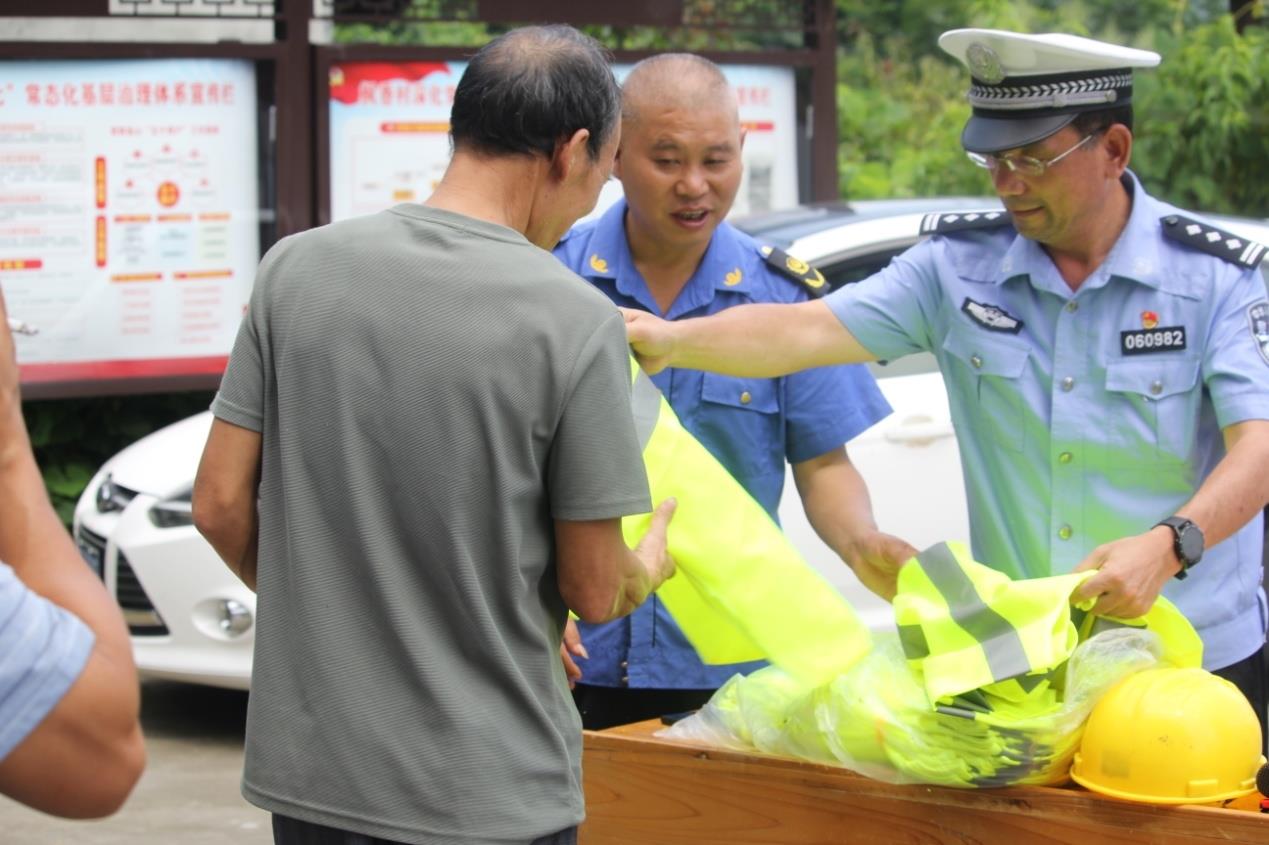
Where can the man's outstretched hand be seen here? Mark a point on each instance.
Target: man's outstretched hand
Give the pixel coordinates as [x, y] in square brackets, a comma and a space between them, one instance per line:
[651, 339]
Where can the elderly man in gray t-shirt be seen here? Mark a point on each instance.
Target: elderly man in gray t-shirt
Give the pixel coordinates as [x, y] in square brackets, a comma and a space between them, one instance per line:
[433, 415]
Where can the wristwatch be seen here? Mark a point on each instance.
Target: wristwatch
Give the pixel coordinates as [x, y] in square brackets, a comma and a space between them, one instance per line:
[1187, 542]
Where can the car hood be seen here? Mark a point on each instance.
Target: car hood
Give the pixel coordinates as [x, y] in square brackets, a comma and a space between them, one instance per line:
[163, 463]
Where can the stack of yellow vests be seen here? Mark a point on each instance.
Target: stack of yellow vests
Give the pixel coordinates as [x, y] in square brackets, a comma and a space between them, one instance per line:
[880, 718]
[989, 681]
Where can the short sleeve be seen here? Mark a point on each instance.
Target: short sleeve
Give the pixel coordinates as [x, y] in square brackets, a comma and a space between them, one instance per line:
[240, 399]
[891, 312]
[43, 650]
[826, 407]
[1236, 359]
[595, 469]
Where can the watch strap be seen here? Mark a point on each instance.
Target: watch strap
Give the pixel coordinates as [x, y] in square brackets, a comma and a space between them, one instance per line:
[1179, 524]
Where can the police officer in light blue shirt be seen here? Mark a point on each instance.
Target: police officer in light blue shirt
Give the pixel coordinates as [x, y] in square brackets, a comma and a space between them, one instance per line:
[666, 249]
[1106, 354]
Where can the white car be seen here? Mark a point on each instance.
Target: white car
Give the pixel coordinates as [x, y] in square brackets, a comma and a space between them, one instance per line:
[191, 620]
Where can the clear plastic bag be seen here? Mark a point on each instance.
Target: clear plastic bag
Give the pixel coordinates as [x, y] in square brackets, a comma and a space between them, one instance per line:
[877, 720]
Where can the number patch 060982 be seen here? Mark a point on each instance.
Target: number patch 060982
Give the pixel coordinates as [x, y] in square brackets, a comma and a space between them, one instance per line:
[1145, 341]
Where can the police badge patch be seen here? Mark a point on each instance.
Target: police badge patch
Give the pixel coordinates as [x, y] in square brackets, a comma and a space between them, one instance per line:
[991, 317]
[1258, 322]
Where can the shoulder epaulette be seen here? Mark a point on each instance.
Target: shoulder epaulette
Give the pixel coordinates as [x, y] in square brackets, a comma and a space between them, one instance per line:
[943, 222]
[796, 269]
[1207, 238]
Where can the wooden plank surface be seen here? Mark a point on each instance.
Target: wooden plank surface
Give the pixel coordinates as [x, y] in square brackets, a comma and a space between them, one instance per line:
[645, 791]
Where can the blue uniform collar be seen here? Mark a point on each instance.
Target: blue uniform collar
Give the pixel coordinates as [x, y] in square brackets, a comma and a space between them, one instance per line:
[720, 268]
[1139, 254]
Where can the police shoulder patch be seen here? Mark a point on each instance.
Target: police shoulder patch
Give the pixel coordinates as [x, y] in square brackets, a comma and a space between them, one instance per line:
[1258, 323]
[804, 274]
[943, 222]
[1205, 237]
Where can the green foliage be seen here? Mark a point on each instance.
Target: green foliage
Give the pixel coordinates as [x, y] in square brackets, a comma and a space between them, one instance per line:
[432, 34]
[72, 438]
[1203, 124]
[1202, 121]
[899, 127]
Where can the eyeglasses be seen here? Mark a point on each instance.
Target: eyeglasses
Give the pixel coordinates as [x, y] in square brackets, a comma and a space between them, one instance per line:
[1026, 165]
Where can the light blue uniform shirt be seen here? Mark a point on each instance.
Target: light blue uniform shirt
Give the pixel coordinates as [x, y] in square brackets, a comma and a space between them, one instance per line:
[1077, 424]
[751, 425]
[43, 649]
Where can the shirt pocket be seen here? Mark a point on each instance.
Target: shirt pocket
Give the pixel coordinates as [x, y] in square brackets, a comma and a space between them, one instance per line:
[740, 422]
[1152, 412]
[984, 379]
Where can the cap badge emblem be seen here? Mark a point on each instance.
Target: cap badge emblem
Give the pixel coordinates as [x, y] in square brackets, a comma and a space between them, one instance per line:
[984, 64]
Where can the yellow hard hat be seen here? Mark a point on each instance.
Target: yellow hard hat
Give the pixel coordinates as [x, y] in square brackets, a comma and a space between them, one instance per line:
[1171, 736]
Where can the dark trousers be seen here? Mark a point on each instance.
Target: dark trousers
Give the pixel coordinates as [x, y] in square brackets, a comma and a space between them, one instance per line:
[1252, 677]
[604, 707]
[289, 831]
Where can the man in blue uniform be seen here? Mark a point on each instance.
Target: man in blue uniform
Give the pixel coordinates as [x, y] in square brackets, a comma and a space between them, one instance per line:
[666, 249]
[1106, 354]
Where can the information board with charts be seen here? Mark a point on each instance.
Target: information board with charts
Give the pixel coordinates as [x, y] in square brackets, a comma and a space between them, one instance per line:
[129, 213]
[389, 142]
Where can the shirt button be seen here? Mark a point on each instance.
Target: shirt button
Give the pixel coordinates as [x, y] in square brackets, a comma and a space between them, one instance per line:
[976, 361]
[1065, 458]
[1067, 384]
[625, 680]
[1072, 306]
[625, 664]
[745, 398]
[1065, 532]
[1156, 388]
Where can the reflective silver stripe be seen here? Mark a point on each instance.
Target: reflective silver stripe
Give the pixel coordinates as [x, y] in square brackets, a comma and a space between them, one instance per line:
[912, 638]
[1000, 641]
[645, 404]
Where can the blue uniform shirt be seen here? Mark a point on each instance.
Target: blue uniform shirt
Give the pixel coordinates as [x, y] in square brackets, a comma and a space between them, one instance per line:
[751, 425]
[1089, 416]
[43, 650]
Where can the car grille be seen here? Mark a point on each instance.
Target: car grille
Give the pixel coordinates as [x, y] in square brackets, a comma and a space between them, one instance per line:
[138, 611]
[92, 547]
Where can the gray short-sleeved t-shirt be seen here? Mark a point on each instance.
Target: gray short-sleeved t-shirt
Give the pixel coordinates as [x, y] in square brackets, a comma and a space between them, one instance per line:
[432, 391]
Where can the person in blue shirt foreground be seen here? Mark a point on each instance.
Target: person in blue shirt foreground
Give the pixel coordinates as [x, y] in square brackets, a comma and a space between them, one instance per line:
[70, 737]
[666, 249]
[1106, 354]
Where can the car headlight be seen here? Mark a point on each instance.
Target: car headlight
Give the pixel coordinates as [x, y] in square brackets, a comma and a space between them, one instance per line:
[173, 512]
[111, 497]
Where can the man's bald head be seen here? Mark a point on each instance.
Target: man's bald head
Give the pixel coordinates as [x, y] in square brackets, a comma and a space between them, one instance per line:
[680, 159]
[675, 80]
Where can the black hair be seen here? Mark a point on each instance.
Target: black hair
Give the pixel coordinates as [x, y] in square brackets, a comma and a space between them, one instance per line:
[1086, 123]
[531, 88]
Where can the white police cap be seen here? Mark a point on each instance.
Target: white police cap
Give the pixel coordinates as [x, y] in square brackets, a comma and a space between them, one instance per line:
[1026, 87]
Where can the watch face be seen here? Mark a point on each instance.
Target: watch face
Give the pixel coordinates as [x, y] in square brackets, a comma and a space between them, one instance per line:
[1190, 539]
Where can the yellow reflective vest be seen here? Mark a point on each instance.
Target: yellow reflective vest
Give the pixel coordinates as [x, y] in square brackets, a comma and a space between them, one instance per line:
[742, 591]
[967, 627]
[988, 683]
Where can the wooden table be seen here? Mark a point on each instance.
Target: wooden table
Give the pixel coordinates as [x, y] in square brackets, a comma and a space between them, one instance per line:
[646, 791]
